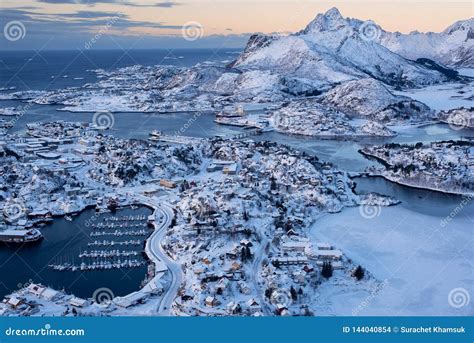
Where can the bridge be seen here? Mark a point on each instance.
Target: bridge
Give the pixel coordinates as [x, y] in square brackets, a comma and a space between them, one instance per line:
[245, 134]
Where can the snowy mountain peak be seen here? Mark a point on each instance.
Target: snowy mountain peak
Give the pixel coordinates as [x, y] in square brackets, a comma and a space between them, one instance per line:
[333, 13]
[328, 21]
[461, 25]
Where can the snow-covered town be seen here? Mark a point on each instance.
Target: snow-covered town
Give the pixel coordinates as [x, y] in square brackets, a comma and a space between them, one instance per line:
[298, 176]
[240, 213]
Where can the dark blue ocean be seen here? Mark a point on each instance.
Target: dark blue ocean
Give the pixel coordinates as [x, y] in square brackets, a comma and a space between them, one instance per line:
[46, 70]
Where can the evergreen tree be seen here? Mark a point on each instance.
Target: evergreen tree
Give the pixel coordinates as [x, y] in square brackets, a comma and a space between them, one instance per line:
[248, 253]
[294, 296]
[358, 273]
[243, 254]
[327, 270]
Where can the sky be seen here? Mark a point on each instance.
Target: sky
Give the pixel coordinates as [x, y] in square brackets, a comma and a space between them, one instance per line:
[147, 24]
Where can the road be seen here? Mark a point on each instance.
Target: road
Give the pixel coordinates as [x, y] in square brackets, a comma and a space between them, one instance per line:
[154, 249]
[174, 268]
[256, 265]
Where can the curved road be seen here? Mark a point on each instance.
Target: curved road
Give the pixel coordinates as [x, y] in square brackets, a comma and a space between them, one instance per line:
[174, 267]
[156, 253]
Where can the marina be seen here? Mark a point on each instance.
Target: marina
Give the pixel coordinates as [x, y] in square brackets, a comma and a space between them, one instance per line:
[62, 260]
[106, 243]
[99, 265]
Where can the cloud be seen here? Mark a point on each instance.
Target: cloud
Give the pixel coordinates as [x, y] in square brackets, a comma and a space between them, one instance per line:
[81, 2]
[80, 21]
[163, 4]
[71, 30]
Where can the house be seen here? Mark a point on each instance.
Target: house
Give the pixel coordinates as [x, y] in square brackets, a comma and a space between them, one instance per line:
[243, 287]
[236, 266]
[221, 286]
[233, 307]
[299, 276]
[77, 302]
[167, 183]
[295, 246]
[230, 169]
[253, 306]
[211, 301]
[15, 302]
[323, 246]
[50, 294]
[328, 255]
[290, 260]
[35, 289]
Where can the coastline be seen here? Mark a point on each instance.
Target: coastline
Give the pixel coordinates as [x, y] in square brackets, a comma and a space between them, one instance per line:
[401, 183]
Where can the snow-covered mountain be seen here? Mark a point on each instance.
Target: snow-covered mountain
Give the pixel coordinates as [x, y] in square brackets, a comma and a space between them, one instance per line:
[333, 49]
[453, 47]
[369, 98]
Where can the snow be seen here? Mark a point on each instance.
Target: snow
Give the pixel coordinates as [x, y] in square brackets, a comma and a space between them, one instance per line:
[466, 72]
[451, 47]
[443, 97]
[421, 260]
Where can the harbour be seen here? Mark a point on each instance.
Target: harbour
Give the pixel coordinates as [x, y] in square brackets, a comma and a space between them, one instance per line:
[64, 258]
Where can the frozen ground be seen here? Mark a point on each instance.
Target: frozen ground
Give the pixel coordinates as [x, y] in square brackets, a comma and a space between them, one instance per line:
[443, 97]
[466, 72]
[421, 261]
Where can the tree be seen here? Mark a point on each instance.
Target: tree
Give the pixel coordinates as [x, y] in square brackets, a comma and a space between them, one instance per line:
[268, 292]
[294, 295]
[327, 270]
[358, 273]
[243, 254]
[248, 253]
[273, 184]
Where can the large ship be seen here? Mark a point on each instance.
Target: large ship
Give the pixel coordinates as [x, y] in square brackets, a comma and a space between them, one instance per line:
[20, 236]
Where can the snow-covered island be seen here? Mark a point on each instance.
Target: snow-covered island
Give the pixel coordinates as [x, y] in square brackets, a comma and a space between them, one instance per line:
[459, 118]
[443, 166]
